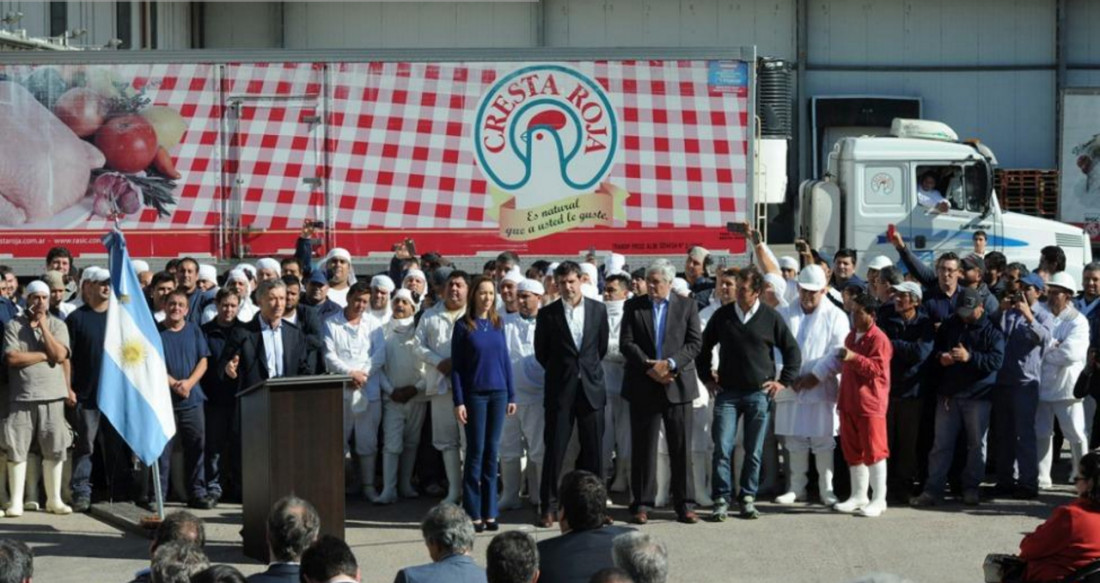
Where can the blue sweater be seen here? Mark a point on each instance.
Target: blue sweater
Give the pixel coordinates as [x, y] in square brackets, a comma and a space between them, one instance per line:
[480, 360]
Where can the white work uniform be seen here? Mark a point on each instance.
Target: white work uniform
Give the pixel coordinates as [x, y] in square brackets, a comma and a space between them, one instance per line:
[808, 419]
[616, 433]
[401, 422]
[350, 347]
[524, 430]
[1063, 360]
[433, 344]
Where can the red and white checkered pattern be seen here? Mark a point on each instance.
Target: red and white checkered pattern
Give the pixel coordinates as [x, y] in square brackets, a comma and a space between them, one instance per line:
[404, 155]
[400, 148]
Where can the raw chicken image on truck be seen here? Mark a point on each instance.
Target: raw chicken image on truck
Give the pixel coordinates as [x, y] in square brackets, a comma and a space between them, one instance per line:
[545, 153]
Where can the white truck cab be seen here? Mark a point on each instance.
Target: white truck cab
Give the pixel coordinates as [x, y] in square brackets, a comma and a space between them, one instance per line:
[872, 183]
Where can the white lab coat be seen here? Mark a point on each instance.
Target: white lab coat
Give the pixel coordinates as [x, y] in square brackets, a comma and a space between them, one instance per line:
[812, 412]
[1065, 356]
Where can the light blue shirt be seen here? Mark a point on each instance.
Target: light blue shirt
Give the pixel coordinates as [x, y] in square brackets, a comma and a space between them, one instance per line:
[660, 318]
[273, 348]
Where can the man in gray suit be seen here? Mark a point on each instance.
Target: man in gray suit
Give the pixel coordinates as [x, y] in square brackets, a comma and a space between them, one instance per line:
[449, 535]
[660, 339]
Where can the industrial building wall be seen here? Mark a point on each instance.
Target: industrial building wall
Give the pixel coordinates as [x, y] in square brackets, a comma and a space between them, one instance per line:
[985, 67]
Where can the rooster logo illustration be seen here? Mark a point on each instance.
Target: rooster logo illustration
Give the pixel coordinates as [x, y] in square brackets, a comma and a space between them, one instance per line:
[545, 133]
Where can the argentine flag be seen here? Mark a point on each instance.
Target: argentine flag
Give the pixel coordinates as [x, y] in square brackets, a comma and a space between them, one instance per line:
[133, 384]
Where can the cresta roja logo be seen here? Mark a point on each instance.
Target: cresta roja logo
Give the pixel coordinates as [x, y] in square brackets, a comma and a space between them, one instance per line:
[545, 137]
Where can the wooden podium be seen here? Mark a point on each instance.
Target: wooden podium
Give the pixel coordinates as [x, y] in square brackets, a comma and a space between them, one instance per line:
[291, 443]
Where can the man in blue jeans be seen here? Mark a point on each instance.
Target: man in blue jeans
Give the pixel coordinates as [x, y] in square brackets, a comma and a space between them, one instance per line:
[966, 356]
[1027, 328]
[745, 332]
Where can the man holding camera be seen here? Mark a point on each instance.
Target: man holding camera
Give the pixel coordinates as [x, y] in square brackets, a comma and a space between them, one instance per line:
[1015, 400]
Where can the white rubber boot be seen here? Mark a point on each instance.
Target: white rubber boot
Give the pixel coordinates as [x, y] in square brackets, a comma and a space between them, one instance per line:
[51, 473]
[799, 463]
[511, 475]
[17, 481]
[1046, 459]
[32, 494]
[858, 499]
[824, 463]
[664, 477]
[700, 464]
[408, 465]
[878, 491]
[366, 477]
[390, 462]
[452, 465]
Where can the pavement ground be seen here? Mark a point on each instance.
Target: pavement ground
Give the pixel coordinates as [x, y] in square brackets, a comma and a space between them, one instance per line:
[792, 543]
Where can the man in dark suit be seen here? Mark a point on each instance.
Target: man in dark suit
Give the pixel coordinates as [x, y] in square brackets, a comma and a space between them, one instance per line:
[449, 535]
[570, 343]
[308, 321]
[584, 548]
[660, 339]
[266, 347]
[292, 526]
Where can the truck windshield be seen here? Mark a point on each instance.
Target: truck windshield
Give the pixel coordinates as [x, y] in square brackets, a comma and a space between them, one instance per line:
[963, 185]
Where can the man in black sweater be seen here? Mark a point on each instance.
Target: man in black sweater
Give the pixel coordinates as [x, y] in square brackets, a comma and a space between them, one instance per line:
[747, 333]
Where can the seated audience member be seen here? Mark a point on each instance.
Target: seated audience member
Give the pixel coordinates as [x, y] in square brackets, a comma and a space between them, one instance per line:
[16, 561]
[512, 557]
[292, 526]
[643, 557]
[176, 562]
[218, 574]
[611, 575]
[585, 544]
[1070, 538]
[178, 527]
[329, 560]
[449, 535]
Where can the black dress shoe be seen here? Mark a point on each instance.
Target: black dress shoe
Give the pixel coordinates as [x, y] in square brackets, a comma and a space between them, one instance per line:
[492, 526]
[201, 503]
[479, 527]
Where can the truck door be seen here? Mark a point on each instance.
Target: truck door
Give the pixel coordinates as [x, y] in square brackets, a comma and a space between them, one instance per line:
[883, 201]
[274, 158]
[965, 186]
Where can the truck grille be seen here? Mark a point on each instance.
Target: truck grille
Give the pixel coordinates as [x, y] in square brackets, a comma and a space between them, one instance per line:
[1067, 240]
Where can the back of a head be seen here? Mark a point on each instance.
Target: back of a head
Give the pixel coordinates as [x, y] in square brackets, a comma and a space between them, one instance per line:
[449, 528]
[16, 561]
[219, 574]
[181, 527]
[327, 558]
[642, 556]
[292, 525]
[611, 575]
[583, 500]
[176, 562]
[512, 557]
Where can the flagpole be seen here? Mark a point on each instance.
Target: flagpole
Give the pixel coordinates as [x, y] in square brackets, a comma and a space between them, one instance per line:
[156, 486]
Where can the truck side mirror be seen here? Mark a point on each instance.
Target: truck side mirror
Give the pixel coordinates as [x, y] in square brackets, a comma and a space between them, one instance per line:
[919, 241]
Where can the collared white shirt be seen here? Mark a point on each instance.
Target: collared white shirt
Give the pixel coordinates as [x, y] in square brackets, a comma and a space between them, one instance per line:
[273, 348]
[574, 318]
[359, 346]
[745, 317]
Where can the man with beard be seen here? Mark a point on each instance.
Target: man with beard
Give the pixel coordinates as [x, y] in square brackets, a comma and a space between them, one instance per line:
[381, 286]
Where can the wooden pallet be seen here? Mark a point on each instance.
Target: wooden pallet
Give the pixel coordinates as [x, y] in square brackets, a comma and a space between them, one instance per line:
[1032, 192]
